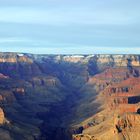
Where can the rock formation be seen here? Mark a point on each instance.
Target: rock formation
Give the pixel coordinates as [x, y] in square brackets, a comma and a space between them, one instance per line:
[2, 118]
[87, 97]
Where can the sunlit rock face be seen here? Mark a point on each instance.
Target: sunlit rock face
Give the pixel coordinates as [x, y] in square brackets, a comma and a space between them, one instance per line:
[14, 58]
[2, 118]
[117, 85]
[119, 60]
[65, 97]
[16, 65]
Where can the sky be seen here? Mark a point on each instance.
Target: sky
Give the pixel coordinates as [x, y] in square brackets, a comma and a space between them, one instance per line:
[70, 26]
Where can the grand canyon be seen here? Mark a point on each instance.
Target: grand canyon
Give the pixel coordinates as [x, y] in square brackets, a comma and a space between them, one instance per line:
[69, 97]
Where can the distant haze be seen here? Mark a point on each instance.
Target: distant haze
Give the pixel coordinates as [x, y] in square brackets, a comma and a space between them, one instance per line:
[70, 26]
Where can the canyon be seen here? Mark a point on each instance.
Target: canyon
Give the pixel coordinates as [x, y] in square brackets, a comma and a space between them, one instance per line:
[69, 97]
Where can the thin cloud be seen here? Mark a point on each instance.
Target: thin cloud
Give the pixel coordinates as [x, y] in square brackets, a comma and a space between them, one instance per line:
[64, 16]
[12, 39]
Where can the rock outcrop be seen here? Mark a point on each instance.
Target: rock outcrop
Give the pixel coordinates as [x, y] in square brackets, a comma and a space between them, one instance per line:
[2, 118]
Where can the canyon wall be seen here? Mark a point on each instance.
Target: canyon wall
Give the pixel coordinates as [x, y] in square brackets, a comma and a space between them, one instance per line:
[87, 97]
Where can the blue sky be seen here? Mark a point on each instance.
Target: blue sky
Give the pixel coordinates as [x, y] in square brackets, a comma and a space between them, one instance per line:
[70, 26]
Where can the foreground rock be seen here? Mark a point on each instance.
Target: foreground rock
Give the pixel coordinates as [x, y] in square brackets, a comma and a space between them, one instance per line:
[118, 93]
[2, 118]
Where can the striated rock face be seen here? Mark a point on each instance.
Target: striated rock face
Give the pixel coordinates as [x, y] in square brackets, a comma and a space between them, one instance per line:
[127, 122]
[111, 60]
[73, 59]
[119, 60]
[117, 86]
[14, 58]
[108, 60]
[16, 65]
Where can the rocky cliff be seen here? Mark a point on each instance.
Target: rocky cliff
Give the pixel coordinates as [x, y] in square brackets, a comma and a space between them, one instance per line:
[117, 85]
[80, 97]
